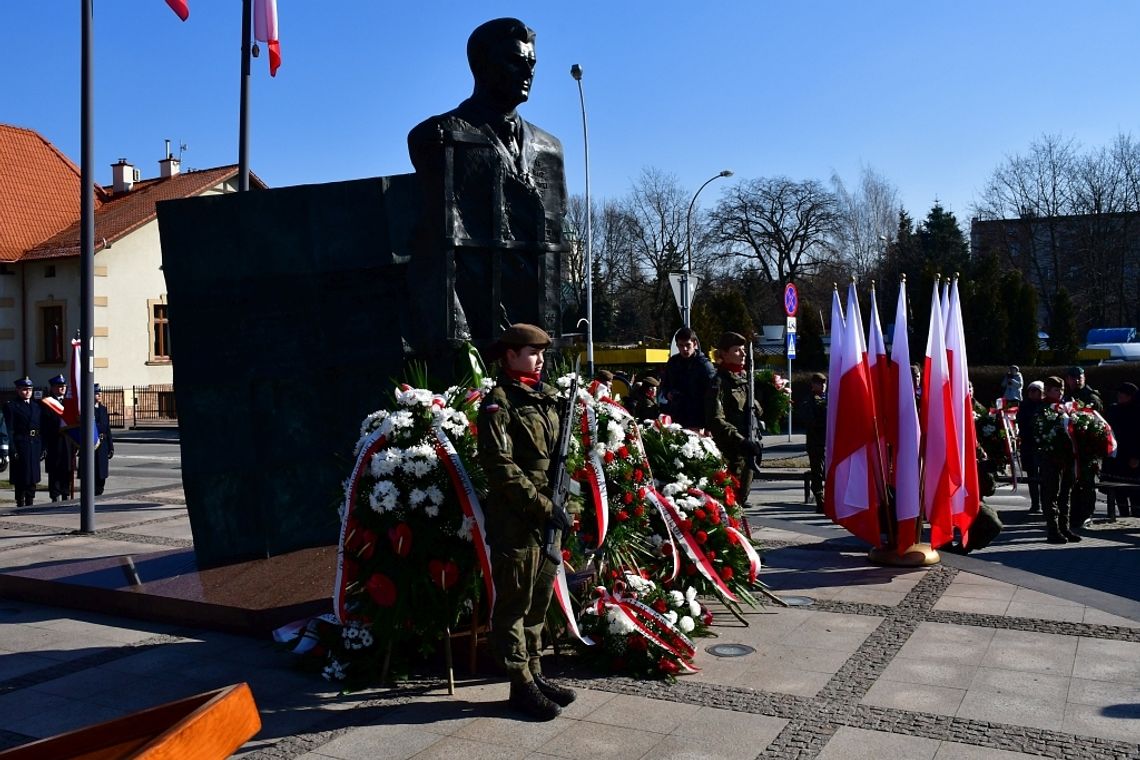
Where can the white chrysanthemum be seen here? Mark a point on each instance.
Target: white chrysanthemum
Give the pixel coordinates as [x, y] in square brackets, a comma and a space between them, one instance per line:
[417, 497]
[385, 462]
[435, 496]
[466, 529]
[694, 608]
[615, 433]
[401, 419]
[431, 510]
[414, 397]
[671, 616]
[598, 449]
[366, 639]
[655, 541]
[703, 484]
[639, 584]
[618, 622]
[672, 489]
[686, 624]
[384, 496]
[334, 671]
[678, 464]
[710, 446]
[564, 381]
[372, 422]
[487, 384]
[690, 594]
[676, 598]
[692, 450]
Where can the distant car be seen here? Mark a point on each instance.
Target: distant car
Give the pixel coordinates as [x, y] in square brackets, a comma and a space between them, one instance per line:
[1122, 343]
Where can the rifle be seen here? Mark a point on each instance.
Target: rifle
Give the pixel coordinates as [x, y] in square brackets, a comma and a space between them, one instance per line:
[751, 432]
[559, 477]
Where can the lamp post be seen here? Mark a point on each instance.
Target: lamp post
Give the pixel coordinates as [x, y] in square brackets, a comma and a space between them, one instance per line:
[686, 298]
[576, 72]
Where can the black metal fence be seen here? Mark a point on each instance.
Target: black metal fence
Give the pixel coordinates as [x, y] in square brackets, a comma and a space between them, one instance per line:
[154, 404]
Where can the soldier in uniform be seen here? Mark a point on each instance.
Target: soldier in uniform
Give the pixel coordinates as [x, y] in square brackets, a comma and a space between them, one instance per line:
[23, 420]
[106, 449]
[1077, 390]
[1056, 467]
[57, 446]
[518, 435]
[813, 413]
[726, 411]
[644, 404]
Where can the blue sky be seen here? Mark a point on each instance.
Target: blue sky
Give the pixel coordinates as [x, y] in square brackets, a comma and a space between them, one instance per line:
[932, 96]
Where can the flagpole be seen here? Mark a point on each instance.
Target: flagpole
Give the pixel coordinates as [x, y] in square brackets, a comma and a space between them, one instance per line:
[86, 270]
[243, 108]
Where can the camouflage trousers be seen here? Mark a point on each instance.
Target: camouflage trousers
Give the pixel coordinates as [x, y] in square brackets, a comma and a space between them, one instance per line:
[524, 585]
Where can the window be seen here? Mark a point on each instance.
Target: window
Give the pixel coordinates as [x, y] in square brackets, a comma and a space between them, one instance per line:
[51, 334]
[159, 332]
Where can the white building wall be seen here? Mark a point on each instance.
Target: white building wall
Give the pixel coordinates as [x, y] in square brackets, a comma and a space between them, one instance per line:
[46, 282]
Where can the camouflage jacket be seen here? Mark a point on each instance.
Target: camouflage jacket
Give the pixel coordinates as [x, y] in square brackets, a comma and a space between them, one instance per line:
[518, 434]
[813, 416]
[726, 412]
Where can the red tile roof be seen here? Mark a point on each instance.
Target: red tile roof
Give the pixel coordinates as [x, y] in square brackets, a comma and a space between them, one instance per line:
[39, 191]
[39, 199]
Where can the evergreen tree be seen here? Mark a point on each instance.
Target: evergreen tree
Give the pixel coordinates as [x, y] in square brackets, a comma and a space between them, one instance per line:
[1063, 337]
[719, 310]
[1021, 314]
[985, 314]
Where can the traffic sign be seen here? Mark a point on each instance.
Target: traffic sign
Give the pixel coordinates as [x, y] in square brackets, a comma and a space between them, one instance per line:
[791, 324]
[791, 299]
[791, 346]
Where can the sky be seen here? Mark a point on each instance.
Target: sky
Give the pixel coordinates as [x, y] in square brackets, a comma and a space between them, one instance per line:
[931, 96]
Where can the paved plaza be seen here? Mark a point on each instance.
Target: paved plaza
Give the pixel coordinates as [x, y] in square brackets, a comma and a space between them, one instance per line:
[1024, 650]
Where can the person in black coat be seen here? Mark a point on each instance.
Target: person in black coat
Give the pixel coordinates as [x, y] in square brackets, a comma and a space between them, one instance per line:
[1122, 417]
[1027, 441]
[23, 420]
[685, 382]
[56, 444]
[106, 450]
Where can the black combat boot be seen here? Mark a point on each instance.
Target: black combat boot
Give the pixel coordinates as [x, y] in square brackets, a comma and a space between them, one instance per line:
[1069, 535]
[559, 695]
[1055, 535]
[527, 698]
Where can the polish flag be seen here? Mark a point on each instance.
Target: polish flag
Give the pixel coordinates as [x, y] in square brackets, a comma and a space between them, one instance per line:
[903, 434]
[181, 7]
[942, 466]
[965, 501]
[265, 30]
[850, 496]
[879, 373]
[833, 370]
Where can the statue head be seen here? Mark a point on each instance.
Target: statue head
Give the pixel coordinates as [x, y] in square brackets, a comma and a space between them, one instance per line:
[501, 55]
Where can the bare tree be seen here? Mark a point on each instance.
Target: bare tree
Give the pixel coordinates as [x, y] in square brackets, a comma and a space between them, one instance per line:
[781, 227]
[868, 220]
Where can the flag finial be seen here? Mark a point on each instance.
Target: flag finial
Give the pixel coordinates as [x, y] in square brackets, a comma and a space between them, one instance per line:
[902, 277]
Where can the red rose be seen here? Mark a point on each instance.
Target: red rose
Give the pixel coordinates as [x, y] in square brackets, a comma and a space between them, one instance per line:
[726, 573]
[565, 555]
[443, 574]
[711, 554]
[720, 477]
[714, 517]
[614, 574]
[732, 540]
[639, 475]
[702, 537]
[639, 511]
[666, 549]
[660, 606]
[627, 498]
[609, 457]
[706, 616]
[734, 522]
[665, 665]
[700, 514]
[637, 642]
[401, 538]
[686, 525]
[642, 492]
[729, 497]
[690, 569]
[622, 515]
[381, 589]
[623, 452]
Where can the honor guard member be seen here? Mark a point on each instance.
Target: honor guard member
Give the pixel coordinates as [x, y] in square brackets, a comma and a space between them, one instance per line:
[645, 406]
[22, 417]
[727, 411]
[813, 414]
[57, 447]
[518, 436]
[1056, 467]
[106, 449]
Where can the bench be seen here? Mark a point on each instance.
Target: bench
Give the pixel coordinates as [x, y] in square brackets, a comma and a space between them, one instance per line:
[788, 473]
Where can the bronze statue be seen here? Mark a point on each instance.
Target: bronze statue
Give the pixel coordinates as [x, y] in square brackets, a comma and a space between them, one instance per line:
[491, 240]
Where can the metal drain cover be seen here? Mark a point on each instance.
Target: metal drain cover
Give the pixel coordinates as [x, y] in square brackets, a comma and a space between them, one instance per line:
[797, 601]
[729, 650]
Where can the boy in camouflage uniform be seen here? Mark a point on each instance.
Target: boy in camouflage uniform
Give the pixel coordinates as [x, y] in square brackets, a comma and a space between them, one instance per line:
[518, 436]
[813, 413]
[727, 411]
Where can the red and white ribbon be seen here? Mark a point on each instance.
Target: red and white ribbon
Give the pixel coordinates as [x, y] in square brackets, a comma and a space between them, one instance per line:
[369, 446]
[740, 540]
[562, 594]
[651, 624]
[469, 501]
[692, 549]
[596, 471]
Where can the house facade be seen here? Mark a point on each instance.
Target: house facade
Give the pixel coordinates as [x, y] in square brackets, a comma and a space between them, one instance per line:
[40, 264]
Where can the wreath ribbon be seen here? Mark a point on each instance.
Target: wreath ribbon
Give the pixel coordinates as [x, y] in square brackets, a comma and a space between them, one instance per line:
[595, 470]
[692, 549]
[369, 446]
[562, 594]
[645, 619]
[745, 544]
[469, 501]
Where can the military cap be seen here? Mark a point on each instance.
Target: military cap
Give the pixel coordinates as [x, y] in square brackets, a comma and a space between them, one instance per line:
[604, 375]
[24, 382]
[97, 389]
[1054, 382]
[1036, 385]
[521, 334]
[651, 381]
[1075, 371]
[730, 339]
[58, 380]
[818, 377]
[1129, 389]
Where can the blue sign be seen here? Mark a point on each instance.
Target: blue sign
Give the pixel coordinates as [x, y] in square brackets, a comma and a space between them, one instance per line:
[791, 299]
[791, 345]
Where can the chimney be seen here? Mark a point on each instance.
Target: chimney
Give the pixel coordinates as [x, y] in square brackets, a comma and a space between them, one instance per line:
[168, 167]
[123, 177]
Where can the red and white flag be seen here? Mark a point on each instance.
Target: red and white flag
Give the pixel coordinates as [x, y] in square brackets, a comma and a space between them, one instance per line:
[833, 372]
[850, 496]
[903, 434]
[942, 470]
[181, 7]
[965, 501]
[878, 370]
[265, 30]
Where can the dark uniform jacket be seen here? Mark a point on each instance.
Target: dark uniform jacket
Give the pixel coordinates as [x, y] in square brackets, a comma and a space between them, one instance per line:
[813, 414]
[1087, 396]
[106, 448]
[57, 457]
[23, 420]
[687, 380]
[1026, 429]
[727, 412]
[518, 435]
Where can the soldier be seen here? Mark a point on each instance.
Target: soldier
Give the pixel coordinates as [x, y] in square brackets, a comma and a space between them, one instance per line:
[645, 405]
[813, 413]
[23, 420]
[106, 449]
[518, 435]
[605, 378]
[1076, 390]
[1056, 467]
[726, 410]
[56, 445]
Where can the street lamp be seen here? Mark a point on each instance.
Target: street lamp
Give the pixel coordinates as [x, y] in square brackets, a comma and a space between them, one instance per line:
[686, 305]
[576, 72]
